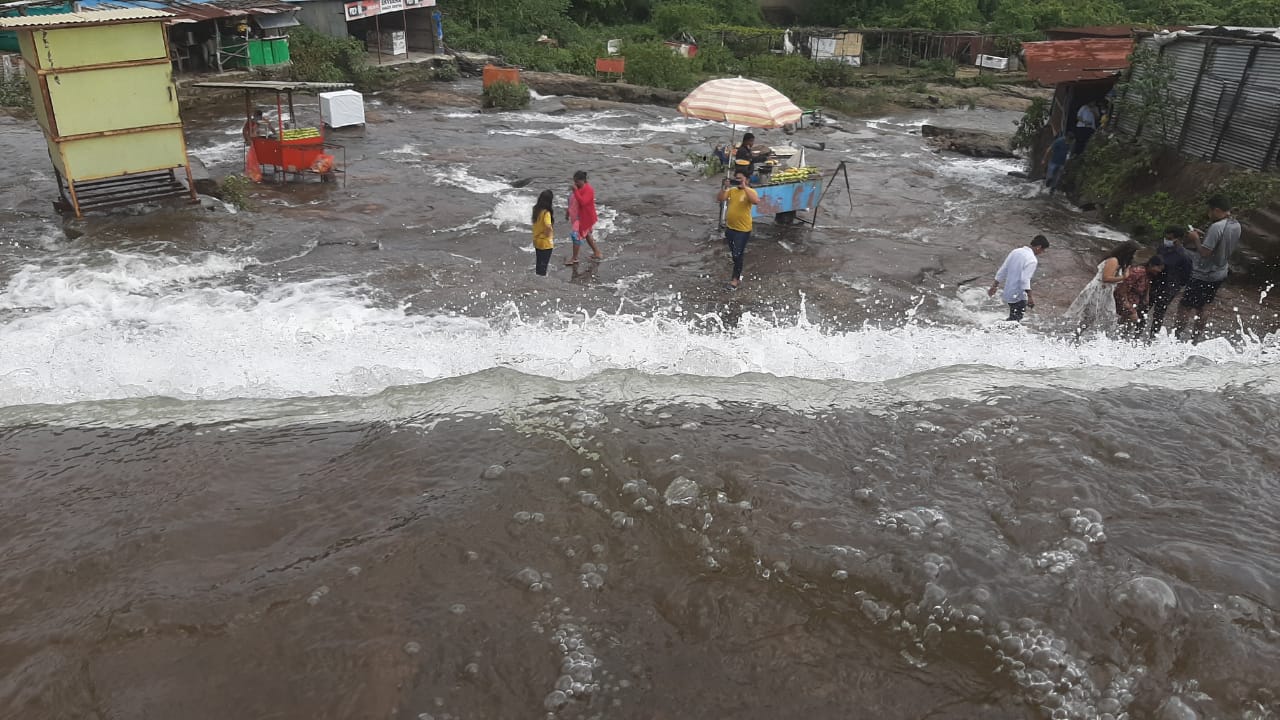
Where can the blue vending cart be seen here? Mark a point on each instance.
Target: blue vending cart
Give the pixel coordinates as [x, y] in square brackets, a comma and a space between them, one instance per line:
[783, 199]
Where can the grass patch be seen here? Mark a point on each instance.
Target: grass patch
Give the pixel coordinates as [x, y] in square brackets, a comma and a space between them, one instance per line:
[235, 190]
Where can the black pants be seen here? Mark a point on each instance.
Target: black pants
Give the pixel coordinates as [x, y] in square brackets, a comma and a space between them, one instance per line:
[1082, 139]
[1017, 310]
[543, 260]
[1160, 300]
[737, 240]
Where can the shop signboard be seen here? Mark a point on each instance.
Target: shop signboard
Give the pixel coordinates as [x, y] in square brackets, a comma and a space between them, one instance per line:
[368, 8]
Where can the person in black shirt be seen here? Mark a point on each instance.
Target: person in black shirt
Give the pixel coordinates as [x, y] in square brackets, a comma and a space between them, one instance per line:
[747, 152]
[1177, 273]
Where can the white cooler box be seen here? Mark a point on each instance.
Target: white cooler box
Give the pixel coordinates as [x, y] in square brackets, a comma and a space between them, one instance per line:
[341, 108]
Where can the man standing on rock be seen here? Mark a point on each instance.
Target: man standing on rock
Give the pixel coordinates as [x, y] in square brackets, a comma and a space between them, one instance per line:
[1055, 159]
[1210, 267]
[1177, 273]
[1015, 274]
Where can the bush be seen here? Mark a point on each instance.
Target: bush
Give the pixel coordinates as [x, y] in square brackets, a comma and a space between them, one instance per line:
[1149, 215]
[945, 67]
[831, 73]
[654, 64]
[506, 96]
[235, 190]
[716, 60]
[15, 92]
[320, 58]
[446, 71]
[1032, 122]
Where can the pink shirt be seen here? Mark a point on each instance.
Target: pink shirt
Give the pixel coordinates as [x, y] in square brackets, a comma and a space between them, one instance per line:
[582, 208]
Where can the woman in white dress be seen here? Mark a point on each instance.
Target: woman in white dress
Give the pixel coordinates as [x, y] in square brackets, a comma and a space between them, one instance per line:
[1094, 308]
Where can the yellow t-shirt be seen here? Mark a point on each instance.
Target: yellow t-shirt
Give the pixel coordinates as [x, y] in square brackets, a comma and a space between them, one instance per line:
[737, 214]
[543, 235]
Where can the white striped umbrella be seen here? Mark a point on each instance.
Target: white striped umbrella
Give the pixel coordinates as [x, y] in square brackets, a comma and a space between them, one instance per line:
[739, 101]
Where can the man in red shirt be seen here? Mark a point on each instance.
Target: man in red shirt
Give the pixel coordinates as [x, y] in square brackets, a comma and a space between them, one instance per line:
[582, 215]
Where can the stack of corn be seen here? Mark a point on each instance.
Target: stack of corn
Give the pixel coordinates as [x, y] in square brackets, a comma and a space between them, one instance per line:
[301, 133]
[795, 174]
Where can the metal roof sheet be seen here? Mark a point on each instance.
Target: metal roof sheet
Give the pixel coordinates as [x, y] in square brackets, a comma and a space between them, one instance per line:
[1095, 31]
[274, 86]
[1058, 61]
[93, 17]
[200, 10]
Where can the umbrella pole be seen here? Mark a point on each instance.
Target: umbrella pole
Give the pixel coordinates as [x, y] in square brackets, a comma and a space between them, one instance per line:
[733, 128]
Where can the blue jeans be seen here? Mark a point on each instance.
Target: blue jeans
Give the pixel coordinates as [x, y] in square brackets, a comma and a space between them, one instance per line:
[1051, 175]
[737, 240]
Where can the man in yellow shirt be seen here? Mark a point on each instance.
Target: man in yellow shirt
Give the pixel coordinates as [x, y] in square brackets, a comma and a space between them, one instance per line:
[740, 196]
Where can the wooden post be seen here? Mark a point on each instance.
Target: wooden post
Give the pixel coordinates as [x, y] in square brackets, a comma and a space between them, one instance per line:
[1195, 93]
[377, 31]
[1271, 149]
[217, 45]
[1235, 102]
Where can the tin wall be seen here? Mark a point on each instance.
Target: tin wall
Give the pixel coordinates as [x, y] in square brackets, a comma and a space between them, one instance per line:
[1228, 102]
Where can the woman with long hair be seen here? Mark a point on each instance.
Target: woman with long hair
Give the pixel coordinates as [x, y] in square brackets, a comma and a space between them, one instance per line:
[1094, 307]
[543, 232]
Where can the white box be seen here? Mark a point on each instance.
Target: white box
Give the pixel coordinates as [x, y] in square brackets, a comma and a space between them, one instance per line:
[341, 108]
[992, 62]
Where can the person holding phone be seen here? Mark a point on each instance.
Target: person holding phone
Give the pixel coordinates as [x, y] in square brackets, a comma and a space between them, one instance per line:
[740, 197]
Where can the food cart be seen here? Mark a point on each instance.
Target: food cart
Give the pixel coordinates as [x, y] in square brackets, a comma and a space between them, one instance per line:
[785, 189]
[286, 149]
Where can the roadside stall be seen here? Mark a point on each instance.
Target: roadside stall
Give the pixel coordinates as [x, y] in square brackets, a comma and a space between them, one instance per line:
[782, 180]
[285, 148]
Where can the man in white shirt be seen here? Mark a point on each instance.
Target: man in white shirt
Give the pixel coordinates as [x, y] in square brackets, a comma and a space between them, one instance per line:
[1015, 274]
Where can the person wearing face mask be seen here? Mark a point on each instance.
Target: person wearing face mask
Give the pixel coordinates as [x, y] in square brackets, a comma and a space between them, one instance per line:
[1177, 273]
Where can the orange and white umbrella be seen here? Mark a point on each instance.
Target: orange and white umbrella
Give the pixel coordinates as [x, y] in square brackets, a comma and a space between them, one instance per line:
[739, 101]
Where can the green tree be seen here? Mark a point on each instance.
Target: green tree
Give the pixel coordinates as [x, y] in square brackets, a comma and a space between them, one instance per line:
[939, 14]
[1146, 97]
[1253, 13]
[1014, 17]
[1175, 12]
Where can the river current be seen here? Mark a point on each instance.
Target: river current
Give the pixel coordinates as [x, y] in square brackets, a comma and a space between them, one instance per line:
[345, 456]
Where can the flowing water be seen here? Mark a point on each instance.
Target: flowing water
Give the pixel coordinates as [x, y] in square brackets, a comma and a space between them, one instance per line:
[345, 456]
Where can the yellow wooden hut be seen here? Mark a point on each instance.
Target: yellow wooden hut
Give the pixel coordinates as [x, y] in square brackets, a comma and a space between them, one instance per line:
[102, 88]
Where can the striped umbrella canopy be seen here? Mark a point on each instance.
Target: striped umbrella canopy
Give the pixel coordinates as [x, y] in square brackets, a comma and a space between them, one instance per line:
[740, 102]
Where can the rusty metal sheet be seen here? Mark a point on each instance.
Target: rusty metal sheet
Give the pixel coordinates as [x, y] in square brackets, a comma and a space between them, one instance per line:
[1057, 61]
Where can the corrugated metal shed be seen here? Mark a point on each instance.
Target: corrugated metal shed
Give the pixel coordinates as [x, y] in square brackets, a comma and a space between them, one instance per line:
[1229, 89]
[1057, 61]
[100, 17]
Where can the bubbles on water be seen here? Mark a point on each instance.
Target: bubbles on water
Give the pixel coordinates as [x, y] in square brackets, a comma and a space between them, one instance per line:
[458, 608]
[412, 648]
[592, 575]
[1086, 523]
[493, 472]
[916, 522]
[681, 491]
[530, 579]
[1148, 601]
[354, 570]
[317, 594]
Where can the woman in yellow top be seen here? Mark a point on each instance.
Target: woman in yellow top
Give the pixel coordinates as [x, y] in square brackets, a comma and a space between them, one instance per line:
[543, 233]
[739, 196]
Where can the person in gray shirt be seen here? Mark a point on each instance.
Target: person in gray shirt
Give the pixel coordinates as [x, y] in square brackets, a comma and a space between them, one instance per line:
[1209, 267]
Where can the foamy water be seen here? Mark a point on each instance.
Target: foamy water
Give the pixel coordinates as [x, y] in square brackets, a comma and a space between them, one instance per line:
[138, 326]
